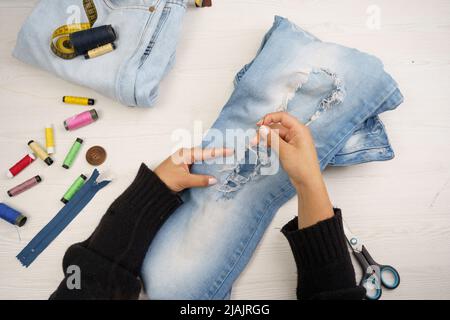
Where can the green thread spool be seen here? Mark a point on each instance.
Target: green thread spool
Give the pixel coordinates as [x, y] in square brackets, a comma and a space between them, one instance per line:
[74, 188]
[73, 152]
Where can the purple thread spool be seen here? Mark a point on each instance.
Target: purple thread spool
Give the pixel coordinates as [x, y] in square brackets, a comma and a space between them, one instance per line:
[24, 186]
[81, 120]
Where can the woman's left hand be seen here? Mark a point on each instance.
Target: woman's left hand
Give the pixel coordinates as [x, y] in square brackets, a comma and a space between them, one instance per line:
[174, 171]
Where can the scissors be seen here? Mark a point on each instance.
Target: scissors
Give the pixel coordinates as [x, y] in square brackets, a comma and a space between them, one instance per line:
[374, 274]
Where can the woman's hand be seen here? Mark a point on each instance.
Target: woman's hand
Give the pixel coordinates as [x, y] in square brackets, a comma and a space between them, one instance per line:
[298, 157]
[296, 147]
[174, 171]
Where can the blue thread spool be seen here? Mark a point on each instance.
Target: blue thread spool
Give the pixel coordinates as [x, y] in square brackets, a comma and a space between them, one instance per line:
[12, 216]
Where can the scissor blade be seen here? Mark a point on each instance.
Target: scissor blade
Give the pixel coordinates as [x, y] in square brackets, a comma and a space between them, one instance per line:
[352, 239]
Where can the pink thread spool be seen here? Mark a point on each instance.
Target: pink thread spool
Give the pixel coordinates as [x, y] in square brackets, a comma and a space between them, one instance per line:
[81, 120]
[24, 186]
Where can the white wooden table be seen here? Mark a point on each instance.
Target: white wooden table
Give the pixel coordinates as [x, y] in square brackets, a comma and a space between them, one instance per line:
[401, 208]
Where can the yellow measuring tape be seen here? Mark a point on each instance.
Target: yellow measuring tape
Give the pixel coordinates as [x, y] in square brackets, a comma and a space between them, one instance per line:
[60, 43]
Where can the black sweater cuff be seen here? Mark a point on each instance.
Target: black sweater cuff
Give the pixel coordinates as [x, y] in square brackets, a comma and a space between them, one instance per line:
[147, 190]
[130, 224]
[322, 258]
[319, 244]
[98, 278]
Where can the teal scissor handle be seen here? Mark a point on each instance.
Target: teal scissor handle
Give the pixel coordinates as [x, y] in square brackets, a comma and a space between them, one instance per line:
[372, 284]
[376, 275]
[390, 278]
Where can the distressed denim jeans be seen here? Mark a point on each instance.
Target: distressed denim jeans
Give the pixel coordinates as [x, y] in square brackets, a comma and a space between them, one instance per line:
[146, 44]
[204, 246]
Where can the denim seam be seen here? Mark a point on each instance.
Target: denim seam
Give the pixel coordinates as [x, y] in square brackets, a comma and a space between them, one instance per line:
[364, 149]
[154, 38]
[181, 3]
[247, 242]
[356, 125]
[263, 43]
[119, 80]
[131, 7]
[108, 3]
[361, 161]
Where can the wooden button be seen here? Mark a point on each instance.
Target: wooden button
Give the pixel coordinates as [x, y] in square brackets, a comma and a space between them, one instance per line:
[96, 155]
[152, 9]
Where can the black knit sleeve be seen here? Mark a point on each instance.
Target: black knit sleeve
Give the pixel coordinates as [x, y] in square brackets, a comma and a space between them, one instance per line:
[110, 260]
[324, 267]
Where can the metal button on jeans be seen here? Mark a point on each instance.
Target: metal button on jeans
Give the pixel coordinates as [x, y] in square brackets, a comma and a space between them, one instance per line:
[152, 9]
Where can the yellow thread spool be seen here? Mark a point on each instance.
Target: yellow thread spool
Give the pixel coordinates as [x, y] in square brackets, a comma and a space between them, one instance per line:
[49, 139]
[37, 149]
[100, 51]
[78, 100]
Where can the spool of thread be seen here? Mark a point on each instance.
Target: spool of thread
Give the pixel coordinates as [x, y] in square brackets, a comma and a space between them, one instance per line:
[20, 165]
[73, 152]
[81, 120]
[12, 216]
[74, 188]
[97, 52]
[78, 100]
[24, 186]
[49, 139]
[83, 41]
[40, 152]
[203, 3]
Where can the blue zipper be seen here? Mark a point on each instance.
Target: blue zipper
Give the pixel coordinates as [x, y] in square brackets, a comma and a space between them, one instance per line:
[61, 220]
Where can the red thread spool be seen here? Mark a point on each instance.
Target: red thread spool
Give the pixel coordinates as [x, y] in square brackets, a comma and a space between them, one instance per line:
[19, 166]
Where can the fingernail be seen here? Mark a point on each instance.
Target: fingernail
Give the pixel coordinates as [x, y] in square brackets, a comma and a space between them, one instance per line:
[212, 181]
[260, 122]
[264, 131]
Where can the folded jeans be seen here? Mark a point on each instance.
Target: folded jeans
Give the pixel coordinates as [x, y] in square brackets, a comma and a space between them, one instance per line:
[146, 44]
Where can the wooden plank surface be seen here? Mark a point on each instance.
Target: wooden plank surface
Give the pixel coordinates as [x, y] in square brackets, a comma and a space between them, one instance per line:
[401, 208]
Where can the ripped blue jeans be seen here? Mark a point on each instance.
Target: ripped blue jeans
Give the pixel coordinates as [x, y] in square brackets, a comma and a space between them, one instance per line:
[337, 91]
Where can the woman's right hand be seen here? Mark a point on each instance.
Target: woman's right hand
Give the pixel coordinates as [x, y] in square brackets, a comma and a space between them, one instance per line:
[295, 147]
[298, 157]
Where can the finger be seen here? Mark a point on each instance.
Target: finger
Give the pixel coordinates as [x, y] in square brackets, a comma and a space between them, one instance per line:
[282, 130]
[272, 138]
[178, 157]
[196, 154]
[199, 180]
[211, 153]
[188, 155]
[282, 117]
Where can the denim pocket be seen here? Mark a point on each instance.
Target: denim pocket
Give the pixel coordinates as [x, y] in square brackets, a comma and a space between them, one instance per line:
[161, 23]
